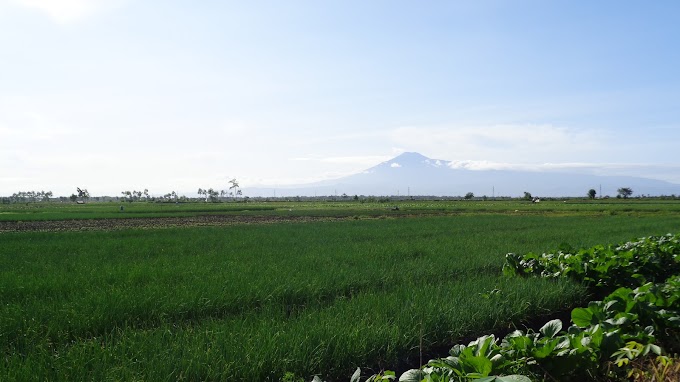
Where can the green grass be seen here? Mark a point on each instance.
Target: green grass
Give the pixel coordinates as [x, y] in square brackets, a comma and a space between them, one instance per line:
[250, 302]
[371, 328]
[111, 210]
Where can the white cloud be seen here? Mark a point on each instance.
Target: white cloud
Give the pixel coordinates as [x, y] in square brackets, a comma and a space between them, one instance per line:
[511, 143]
[366, 160]
[284, 181]
[395, 165]
[482, 165]
[668, 172]
[476, 165]
[69, 11]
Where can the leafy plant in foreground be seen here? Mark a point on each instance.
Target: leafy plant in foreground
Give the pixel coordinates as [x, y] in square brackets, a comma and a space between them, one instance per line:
[653, 258]
[615, 331]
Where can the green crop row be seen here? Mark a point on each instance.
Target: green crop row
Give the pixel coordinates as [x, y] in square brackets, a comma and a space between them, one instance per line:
[112, 210]
[370, 328]
[605, 267]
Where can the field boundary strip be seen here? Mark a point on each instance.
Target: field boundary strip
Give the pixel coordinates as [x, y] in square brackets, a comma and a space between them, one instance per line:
[152, 223]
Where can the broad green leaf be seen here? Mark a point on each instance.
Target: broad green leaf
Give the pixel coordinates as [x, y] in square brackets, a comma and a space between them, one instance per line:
[449, 362]
[385, 376]
[617, 321]
[498, 358]
[582, 317]
[457, 349]
[505, 378]
[565, 248]
[564, 343]
[596, 335]
[513, 378]
[595, 306]
[515, 333]
[478, 364]
[551, 328]
[545, 350]
[655, 349]
[613, 306]
[483, 344]
[610, 342]
[510, 270]
[521, 342]
[356, 375]
[413, 375]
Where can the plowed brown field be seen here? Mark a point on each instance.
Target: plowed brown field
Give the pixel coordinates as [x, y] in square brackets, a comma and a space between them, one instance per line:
[164, 222]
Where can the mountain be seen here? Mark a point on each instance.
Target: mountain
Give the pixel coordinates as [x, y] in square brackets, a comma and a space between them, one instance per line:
[415, 174]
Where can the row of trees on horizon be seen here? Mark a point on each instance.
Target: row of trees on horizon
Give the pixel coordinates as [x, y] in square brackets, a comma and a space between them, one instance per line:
[233, 192]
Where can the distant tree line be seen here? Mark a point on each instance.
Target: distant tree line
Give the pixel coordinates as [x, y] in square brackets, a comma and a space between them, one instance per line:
[214, 195]
[30, 196]
[234, 192]
[207, 194]
[134, 195]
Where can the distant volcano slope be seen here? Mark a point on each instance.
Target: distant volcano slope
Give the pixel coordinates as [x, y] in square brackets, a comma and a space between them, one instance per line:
[415, 174]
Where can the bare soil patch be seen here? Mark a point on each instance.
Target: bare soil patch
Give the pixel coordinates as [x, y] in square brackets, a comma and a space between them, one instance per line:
[160, 222]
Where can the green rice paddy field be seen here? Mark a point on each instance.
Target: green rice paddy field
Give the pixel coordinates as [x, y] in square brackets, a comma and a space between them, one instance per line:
[250, 302]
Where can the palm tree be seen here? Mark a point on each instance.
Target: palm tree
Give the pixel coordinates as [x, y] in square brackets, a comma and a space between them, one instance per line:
[234, 185]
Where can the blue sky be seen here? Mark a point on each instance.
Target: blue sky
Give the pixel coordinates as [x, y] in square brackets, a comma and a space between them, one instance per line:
[114, 95]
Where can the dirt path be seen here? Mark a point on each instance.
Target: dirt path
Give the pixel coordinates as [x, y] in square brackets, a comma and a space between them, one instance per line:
[162, 222]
